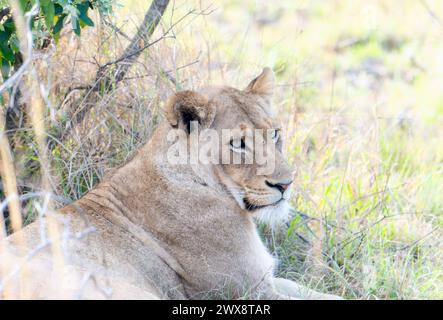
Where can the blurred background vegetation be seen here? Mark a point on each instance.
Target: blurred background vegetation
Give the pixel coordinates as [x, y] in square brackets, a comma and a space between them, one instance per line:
[360, 95]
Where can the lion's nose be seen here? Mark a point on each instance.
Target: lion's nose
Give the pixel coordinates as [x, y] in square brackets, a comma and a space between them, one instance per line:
[281, 186]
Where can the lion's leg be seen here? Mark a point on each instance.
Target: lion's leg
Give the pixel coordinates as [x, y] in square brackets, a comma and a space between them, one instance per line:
[291, 289]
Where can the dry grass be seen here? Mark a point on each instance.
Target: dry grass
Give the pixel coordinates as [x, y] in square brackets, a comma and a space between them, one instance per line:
[358, 95]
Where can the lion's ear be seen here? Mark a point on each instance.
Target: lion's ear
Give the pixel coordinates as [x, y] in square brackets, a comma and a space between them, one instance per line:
[264, 84]
[187, 106]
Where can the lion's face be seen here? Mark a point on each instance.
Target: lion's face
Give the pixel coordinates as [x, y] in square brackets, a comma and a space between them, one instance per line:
[250, 163]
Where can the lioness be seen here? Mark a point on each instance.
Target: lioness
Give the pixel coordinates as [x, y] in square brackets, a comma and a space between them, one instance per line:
[168, 230]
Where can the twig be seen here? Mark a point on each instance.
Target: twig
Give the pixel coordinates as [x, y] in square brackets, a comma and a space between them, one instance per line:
[431, 12]
[7, 171]
[419, 240]
[36, 113]
[145, 30]
[138, 43]
[23, 26]
[127, 59]
[116, 29]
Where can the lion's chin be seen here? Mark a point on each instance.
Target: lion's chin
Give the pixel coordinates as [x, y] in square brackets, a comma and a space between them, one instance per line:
[273, 215]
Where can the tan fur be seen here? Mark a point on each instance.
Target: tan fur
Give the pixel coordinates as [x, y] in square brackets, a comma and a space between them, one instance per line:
[172, 231]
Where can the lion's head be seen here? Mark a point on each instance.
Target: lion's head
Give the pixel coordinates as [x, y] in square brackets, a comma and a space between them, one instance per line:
[239, 134]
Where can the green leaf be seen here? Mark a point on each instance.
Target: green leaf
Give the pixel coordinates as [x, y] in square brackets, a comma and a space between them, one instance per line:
[70, 9]
[75, 26]
[14, 43]
[86, 20]
[4, 36]
[9, 25]
[58, 9]
[49, 12]
[5, 67]
[83, 14]
[6, 52]
[59, 24]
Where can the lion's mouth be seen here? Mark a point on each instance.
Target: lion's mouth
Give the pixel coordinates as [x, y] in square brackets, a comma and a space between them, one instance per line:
[252, 207]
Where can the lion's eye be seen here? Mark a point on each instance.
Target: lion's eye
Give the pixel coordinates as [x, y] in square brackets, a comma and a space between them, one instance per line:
[238, 145]
[275, 136]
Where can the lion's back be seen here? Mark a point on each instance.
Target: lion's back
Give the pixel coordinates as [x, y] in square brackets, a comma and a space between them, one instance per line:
[98, 262]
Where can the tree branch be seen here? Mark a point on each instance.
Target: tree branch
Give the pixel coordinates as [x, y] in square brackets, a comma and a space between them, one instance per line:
[104, 78]
[138, 43]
